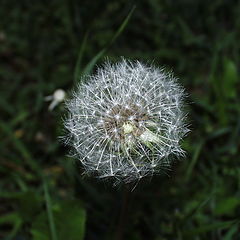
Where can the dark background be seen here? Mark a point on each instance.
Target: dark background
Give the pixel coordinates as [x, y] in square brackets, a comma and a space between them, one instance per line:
[47, 45]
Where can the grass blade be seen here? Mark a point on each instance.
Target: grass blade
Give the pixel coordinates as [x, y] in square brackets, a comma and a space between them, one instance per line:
[91, 64]
[49, 211]
[79, 59]
[194, 160]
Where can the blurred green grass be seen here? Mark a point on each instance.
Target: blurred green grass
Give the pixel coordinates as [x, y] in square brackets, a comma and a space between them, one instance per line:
[48, 45]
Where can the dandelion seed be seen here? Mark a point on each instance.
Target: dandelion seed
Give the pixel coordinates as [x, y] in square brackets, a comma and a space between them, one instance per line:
[127, 121]
[57, 97]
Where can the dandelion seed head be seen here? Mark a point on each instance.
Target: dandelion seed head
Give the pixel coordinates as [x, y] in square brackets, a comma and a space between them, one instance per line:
[127, 121]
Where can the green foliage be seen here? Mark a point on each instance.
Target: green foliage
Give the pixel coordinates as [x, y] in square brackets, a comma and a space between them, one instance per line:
[87, 70]
[49, 45]
[227, 206]
[69, 218]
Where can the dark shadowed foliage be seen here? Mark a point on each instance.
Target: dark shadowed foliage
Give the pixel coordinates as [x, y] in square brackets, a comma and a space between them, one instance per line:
[48, 45]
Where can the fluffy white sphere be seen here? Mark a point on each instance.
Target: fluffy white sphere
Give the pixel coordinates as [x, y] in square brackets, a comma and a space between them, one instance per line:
[126, 121]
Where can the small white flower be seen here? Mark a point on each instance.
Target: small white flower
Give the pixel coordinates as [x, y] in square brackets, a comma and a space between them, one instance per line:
[57, 97]
[126, 121]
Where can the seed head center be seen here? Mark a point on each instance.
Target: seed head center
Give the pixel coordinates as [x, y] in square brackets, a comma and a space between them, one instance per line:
[122, 121]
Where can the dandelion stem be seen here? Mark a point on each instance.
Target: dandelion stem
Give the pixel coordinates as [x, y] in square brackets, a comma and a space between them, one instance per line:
[123, 216]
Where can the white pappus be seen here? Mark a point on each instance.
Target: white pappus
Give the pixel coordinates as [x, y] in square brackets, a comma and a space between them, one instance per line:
[126, 121]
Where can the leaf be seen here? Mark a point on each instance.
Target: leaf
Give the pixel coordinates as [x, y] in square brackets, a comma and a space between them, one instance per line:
[227, 206]
[15, 220]
[229, 79]
[209, 227]
[28, 205]
[20, 146]
[193, 162]
[230, 233]
[197, 208]
[49, 211]
[79, 60]
[69, 218]
[91, 64]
